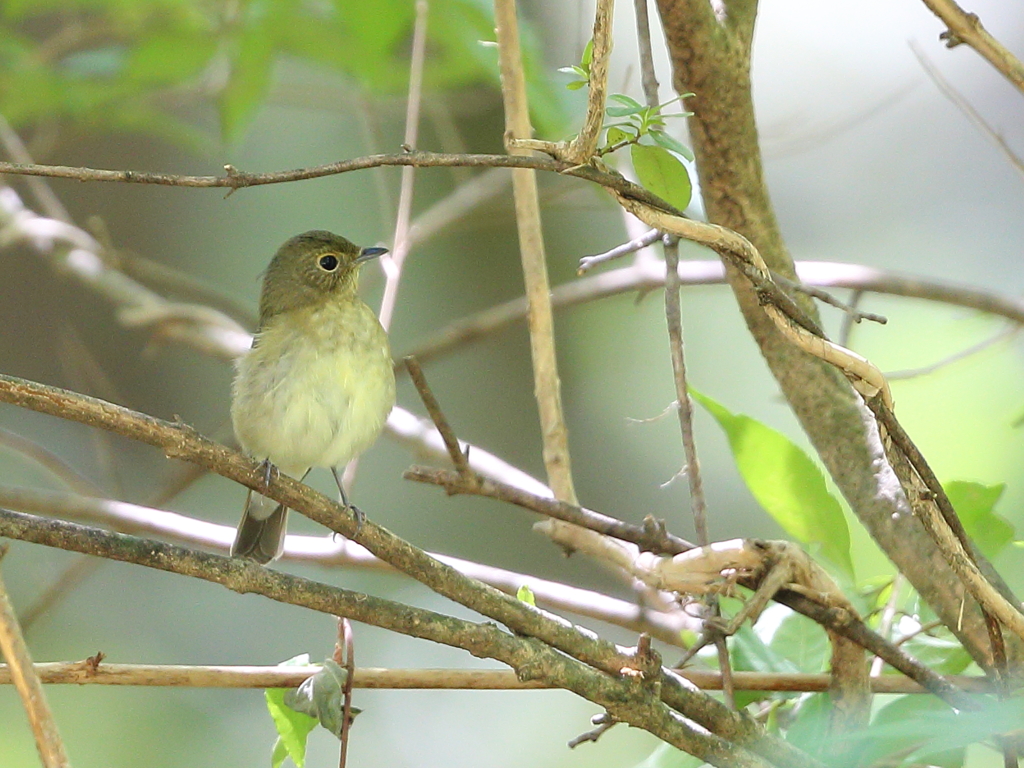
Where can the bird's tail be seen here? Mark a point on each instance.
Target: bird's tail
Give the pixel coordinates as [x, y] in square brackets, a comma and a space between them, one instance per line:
[260, 535]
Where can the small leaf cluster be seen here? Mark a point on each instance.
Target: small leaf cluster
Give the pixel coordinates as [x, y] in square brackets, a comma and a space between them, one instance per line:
[581, 70]
[656, 165]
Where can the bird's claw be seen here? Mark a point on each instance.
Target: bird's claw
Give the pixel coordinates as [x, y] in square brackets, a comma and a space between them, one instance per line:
[359, 515]
[269, 470]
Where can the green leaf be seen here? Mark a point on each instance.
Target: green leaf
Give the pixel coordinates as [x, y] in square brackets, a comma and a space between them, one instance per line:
[623, 111]
[322, 696]
[525, 595]
[248, 81]
[171, 58]
[749, 654]
[672, 144]
[785, 482]
[974, 504]
[588, 57]
[945, 655]
[279, 753]
[663, 174]
[616, 135]
[575, 85]
[292, 727]
[910, 729]
[626, 101]
[802, 642]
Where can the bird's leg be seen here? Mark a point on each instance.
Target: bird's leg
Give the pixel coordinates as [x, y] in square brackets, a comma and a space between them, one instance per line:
[269, 471]
[357, 513]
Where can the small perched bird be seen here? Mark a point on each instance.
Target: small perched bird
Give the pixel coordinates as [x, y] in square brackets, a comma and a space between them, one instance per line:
[317, 385]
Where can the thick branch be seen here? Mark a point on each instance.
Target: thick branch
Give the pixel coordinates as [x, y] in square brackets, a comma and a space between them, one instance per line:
[182, 442]
[623, 696]
[713, 61]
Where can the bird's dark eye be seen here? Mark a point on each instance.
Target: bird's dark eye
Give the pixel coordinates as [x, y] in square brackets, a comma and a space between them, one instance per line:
[328, 262]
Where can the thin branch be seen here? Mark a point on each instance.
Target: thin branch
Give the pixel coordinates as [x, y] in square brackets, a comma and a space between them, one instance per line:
[646, 276]
[655, 539]
[344, 654]
[393, 262]
[335, 551]
[371, 678]
[684, 409]
[673, 315]
[14, 650]
[649, 537]
[50, 461]
[451, 442]
[854, 315]
[547, 388]
[18, 152]
[964, 106]
[964, 27]
[648, 77]
[648, 238]
[234, 179]
[1006, 333]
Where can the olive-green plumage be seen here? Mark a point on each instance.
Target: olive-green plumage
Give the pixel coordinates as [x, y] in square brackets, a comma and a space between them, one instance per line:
[317, 385]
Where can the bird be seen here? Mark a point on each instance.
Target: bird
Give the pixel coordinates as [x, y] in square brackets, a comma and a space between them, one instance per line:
[317, 385]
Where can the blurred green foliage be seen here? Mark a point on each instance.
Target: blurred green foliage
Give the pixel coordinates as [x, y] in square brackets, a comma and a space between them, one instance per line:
[123, 65]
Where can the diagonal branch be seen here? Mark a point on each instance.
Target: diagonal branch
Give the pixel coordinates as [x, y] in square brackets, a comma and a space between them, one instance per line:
[966, 28]
[182, 442]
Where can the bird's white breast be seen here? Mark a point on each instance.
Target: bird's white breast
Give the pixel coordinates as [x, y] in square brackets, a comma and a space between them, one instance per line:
[316, 388]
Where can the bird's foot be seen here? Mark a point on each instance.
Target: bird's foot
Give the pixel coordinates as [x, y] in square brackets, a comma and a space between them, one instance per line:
[270, 471]
[359, 515]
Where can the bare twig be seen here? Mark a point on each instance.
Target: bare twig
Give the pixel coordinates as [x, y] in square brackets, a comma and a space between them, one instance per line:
[648, 238]
[604, 723]
[964, 27]
[652, 537]
[451, 442]
[19, 153]
[648, 77]
[851, 312]
[393, 262]
[369, 678]
[647, 276]
[236, 179]
[698, 504]
[49, 461]
[326, 551]
[23, 674]
[964, 106]
[345, 653]
[531, 245]
[1006, 333]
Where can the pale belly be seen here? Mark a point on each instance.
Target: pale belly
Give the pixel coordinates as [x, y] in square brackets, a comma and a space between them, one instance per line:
[313, 401]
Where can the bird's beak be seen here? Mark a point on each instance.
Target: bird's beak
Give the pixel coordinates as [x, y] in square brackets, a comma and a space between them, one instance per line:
[370, 253]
